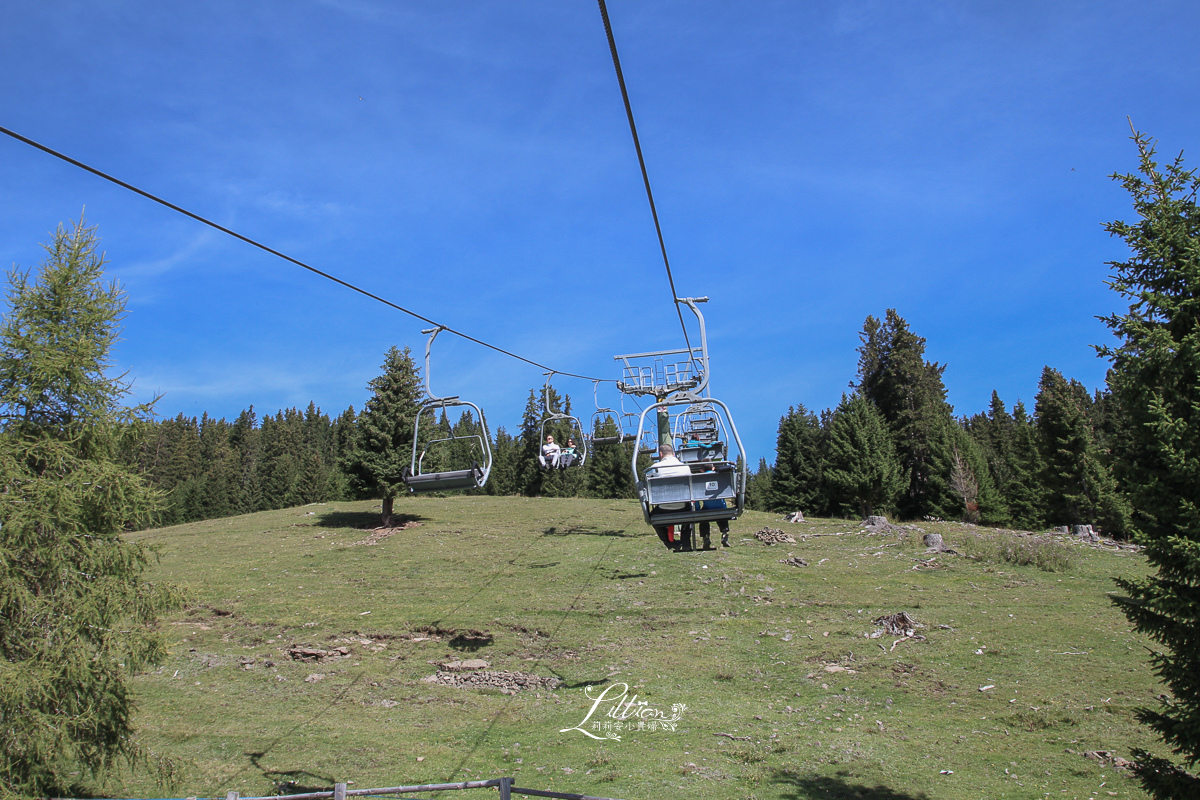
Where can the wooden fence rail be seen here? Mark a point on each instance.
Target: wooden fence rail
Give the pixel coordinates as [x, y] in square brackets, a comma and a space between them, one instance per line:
[340, 792]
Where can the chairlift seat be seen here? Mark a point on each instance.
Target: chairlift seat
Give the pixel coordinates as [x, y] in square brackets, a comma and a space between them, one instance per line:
[685, 516]
[452, 480]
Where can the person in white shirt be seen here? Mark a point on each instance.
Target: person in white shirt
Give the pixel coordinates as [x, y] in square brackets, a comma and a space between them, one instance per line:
[550, 451]
[668, 465]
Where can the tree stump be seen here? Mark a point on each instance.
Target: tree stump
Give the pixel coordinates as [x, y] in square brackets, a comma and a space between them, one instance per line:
[795, 516]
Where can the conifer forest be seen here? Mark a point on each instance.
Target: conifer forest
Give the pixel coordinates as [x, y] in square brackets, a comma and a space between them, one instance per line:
[894, 446]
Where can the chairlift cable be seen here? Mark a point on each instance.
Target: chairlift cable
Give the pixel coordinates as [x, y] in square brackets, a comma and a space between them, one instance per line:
[637, 145]
[284, 256]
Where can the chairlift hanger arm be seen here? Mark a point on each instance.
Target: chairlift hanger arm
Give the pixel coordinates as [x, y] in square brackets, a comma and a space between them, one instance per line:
[432, 333]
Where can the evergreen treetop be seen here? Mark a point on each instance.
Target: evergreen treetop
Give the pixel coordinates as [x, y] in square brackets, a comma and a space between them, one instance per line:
[1155, 382]
[909, 393]
[384, 431]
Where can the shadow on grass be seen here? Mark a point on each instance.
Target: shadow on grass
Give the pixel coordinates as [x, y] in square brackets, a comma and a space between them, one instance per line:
[615, 575]
[837, 787]
[293, 781]
[362, 520]
[576, 530]
[577, 684]
[470, 641]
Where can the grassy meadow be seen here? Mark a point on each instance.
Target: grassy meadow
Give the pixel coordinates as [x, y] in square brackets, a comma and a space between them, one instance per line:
[785, 694]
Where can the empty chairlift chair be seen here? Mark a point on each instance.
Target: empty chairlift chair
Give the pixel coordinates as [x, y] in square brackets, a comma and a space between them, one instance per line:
[620, 421]
[472, 477]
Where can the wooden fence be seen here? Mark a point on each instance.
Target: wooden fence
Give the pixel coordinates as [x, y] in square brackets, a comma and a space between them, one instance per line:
[340, 792]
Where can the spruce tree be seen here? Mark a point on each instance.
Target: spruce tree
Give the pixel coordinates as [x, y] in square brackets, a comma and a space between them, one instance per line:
[1155, 381]
[758, 487]
[862, 472]
[1079, 487]
[503, 480]
[245, 441]
[529, 473]
[1009, 444]
[342, 439]
[76, 615]
[608, 465]
[971, 481]
[279, 467]
[216, 460]
[383, 445]
[908, 391]
[795, 483]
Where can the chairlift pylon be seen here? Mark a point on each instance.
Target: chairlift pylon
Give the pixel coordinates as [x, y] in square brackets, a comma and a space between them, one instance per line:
[473, 477]
[553, 455]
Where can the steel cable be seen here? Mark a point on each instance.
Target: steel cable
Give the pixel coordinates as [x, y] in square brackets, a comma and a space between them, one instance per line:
[284, 256]
[637, 145]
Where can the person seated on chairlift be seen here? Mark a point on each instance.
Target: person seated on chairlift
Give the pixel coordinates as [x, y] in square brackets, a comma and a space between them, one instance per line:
[666, 466]
[550, 453]
[567, 457]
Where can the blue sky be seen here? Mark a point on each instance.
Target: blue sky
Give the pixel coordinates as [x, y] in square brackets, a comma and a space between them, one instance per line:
[812, 163]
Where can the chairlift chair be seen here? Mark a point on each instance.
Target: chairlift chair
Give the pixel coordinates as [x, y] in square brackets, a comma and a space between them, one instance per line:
[473, 477]
[701, 434]
[711, 479]
[555, 461]
[620, 419]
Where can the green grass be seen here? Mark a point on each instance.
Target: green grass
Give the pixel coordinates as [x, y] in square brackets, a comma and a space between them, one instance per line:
[582, 590]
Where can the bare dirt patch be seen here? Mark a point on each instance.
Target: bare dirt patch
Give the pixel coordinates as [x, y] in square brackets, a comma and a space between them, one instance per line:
[379, 534]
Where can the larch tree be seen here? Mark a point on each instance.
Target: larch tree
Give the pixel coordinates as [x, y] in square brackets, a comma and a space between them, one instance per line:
[1155, 379]
[76, 614]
